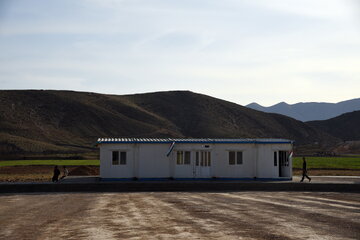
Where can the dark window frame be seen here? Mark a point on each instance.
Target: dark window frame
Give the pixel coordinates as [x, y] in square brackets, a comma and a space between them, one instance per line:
[123, 158]
[179, 158]
[236, 158]
[239, 158]
[119, 158]
[183, 157]
[232, 157]
[187, 157]
[115, 158]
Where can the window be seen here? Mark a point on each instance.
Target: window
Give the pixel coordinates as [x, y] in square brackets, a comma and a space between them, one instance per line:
[187, 158]
[183, 158]
[231, 158]
[203, 159]
[235, 158]
[115, 158]
[179, 158]
[239, 158]
[118, 158]
[197, 159]
[122, 158]
[275, 159]
[208, 159]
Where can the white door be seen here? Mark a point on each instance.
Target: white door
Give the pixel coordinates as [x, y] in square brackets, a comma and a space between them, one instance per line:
[202, 164]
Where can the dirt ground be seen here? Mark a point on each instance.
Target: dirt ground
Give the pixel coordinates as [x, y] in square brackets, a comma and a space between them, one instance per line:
[241, 215]
[41, 173]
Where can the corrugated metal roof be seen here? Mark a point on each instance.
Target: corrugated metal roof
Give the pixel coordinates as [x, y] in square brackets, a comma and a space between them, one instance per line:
[194, 140]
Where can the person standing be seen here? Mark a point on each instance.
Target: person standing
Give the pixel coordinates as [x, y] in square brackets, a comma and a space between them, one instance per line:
[304, 171]
[55, 177]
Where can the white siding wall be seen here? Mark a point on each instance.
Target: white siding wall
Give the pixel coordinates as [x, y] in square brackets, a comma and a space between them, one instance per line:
[153, 162]
[107, 170]
[222, 168]
[265, 166]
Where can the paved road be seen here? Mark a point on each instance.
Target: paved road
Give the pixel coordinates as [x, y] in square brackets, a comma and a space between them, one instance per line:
[330, 179]
[236, 215]
[315, 179]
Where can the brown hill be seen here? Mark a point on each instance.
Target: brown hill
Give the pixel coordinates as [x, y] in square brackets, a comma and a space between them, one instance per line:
[36, 122]
[199, 115]
[345, 126]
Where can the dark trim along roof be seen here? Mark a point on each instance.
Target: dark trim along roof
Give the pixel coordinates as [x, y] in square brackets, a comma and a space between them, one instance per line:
[193, 140]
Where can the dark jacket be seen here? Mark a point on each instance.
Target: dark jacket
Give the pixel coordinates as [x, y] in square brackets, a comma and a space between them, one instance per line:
[304, 167]
[56, 175]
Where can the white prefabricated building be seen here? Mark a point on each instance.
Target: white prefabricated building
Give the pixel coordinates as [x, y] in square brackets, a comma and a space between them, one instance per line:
[155, 158]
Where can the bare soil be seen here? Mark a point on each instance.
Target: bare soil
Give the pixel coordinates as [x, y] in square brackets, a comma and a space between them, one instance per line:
[245, 215]
[41, 173]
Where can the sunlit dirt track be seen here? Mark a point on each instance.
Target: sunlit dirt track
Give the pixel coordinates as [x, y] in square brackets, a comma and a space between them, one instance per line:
[240, 215]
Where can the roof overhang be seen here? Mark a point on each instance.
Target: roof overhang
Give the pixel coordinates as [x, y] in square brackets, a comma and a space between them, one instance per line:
[193, 140]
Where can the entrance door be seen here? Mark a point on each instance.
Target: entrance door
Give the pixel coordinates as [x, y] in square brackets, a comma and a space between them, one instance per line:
[283, 163]
[202, 164]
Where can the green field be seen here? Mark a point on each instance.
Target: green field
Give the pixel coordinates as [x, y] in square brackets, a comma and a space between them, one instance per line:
[49, 162]
[328, 162]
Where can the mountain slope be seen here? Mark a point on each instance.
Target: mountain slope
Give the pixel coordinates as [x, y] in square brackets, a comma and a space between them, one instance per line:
[310, 111]
[202, 116]
[345, 126]
[70, 120]
[49, 122]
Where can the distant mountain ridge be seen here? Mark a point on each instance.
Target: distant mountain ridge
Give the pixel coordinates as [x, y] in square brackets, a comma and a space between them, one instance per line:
[310, 111]
[67, 122]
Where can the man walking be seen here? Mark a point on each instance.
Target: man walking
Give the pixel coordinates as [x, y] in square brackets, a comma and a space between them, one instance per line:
[55, 178]
[304, 171]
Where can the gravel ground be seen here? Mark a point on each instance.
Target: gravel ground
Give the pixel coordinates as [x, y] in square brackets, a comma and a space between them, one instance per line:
[240, 215]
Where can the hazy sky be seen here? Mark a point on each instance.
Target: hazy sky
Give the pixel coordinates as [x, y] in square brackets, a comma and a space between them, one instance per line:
[244, 51]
